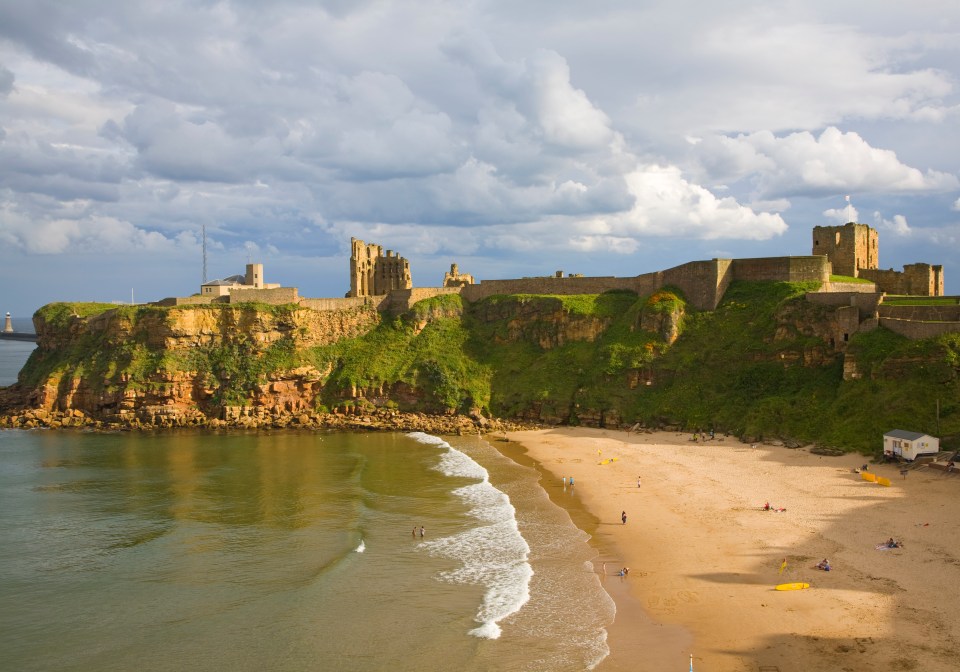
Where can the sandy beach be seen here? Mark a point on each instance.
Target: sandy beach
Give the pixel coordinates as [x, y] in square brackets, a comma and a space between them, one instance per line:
[705, 558]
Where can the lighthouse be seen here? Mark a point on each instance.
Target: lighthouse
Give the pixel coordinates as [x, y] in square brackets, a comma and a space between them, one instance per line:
[8, 325]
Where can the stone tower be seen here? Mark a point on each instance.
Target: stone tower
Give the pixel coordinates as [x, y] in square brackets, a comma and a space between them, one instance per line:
[254, 276]
[849, 248]
[372, 273]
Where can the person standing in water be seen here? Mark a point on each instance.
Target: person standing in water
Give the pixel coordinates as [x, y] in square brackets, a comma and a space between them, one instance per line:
[422, 531]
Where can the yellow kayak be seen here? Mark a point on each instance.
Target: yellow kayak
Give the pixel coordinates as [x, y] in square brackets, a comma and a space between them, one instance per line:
[793, 586]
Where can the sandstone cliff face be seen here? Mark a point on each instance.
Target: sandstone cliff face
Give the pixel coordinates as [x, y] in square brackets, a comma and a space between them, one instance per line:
[100, 373]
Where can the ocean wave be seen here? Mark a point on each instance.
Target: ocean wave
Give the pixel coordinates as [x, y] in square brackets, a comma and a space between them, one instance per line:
[494, 554]
[361, 548]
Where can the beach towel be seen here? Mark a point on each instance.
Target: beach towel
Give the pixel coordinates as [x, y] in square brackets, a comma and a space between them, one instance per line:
[884, 547]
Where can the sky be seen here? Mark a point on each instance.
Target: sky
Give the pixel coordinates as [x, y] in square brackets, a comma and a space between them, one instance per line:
[513, 138]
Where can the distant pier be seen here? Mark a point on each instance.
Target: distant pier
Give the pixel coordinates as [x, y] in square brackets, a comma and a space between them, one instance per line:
[8, 334]
[17, 336]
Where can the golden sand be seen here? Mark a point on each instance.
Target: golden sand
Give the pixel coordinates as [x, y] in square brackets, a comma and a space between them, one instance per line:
[705, 558]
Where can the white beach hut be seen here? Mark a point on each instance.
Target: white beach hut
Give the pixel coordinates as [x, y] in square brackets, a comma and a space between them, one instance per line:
[909, 445]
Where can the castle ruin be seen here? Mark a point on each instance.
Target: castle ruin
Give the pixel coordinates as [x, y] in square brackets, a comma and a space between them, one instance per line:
[853, 250]
[455, 278]
[374, 274]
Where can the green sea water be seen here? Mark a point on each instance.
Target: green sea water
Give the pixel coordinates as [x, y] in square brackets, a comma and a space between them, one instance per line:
[286, 551]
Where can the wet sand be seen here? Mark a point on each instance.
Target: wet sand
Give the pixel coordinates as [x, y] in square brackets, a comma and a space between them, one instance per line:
[704, 556]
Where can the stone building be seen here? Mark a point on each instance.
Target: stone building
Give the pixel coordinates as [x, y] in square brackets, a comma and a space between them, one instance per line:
[253, 279]
[849, 248]
[374, 274]
[852, 250]
[456, 279]
[914, 280]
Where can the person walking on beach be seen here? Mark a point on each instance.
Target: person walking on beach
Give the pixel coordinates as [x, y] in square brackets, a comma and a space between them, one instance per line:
[623, 517]
[638, 481]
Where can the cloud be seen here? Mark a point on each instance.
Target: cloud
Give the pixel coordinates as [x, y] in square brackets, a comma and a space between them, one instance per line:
[91, 234]
[668, 205]
[6, 81]
[565, 114]
[575, 131]
[897, 226]
[804, 164]
[763, 69]
[842, 215]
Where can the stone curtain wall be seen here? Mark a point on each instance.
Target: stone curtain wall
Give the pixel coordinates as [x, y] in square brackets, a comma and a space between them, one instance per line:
[401, 300]
[277, 296]
[377, 302]
[919, 330]
[922, 313]
[783, 269]
[703, 283]
[184, 301]
[866, 303]
[554, 285]
[915, 280]
[850, 287]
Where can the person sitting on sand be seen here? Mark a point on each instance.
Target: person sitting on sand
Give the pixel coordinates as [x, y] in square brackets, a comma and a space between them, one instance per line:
[891, 543]
[824, 565]
[766, 507]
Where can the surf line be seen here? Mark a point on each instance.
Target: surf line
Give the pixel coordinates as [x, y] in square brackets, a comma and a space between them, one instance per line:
[492, 552]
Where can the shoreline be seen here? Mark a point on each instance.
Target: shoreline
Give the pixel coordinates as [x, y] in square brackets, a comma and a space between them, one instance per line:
[705, 556]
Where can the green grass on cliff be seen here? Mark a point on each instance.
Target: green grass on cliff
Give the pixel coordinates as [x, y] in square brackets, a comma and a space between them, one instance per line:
[760, 366]
[737, 369]
[428, 362]
[59, 315]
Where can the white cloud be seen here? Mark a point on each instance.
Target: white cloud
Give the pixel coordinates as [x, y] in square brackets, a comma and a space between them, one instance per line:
[897, 226]
[668, 205]
[565, 114]
[842, 215]
[802, 163]
[90, 234]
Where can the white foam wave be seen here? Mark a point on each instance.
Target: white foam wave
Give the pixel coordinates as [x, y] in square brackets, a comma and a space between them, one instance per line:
[494, 554]
[361, 548]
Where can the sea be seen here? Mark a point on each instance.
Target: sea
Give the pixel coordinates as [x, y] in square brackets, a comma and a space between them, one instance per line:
[195, 550]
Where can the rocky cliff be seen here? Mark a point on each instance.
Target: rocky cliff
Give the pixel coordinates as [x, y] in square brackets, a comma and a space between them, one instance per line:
[765, 363]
